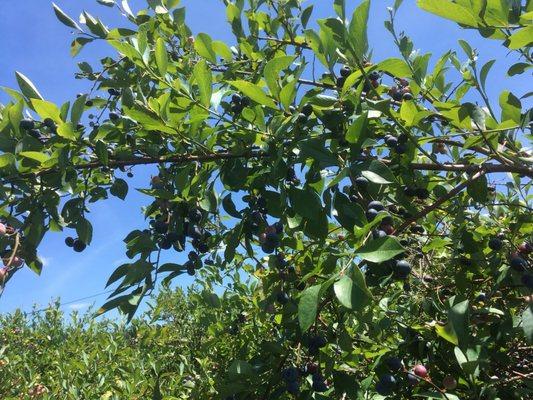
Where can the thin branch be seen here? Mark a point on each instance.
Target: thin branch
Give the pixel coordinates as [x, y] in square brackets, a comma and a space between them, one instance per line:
[441, 200]
[186, 158]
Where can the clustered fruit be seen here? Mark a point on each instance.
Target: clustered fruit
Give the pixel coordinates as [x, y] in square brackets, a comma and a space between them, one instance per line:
[238, 103]
[401, 91]
[389, 383]
[38, 130]
[76, 244]
[398, 144]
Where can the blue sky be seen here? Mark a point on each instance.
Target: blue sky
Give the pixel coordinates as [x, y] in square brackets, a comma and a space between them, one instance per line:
[33, 42]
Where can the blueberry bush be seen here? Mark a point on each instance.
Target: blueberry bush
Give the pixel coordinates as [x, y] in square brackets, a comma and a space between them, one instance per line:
[358, 228]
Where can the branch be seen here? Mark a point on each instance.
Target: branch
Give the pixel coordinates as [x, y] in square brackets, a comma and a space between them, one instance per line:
[441, 200]
[186, 158]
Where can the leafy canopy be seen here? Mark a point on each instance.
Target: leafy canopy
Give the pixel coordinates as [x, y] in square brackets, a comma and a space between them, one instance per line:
[372, 209]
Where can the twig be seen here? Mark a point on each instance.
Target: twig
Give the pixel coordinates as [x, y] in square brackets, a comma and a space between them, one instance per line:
[441, 200]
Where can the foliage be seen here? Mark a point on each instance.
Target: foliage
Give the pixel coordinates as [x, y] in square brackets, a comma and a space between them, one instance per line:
[376, 212]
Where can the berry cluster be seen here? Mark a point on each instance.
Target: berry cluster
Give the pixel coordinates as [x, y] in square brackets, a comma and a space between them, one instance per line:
[238, 103]
[76, 244]
[401, 91]
[398, 144]
[39, 131]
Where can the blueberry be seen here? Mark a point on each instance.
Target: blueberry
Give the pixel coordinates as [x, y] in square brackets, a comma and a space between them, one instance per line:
[293, 387]
[267, 248]
[307, 110]
[279, 227]
[412, 379]
[409, 191]
[388, 381]
[527, 280]
[165, 244]
[401, 148]
[160, 226]
[378, 233]
[376, 205]
[113, 116]
[345, 71]
[290, 374]
[371, 214]
[340, 81]
[403, 138]
[302, 118]
[236, 108]
[236, 98]
[374, 75]
[320, 386]
[394, 363]
[194, 232]
[518, 264]
[282, 298]
[422, 193]
[361, 182]
[78, 246]
[27, 124]
[391, 141]
[495, 244]
[195, 215]
[402, 269]
[113, 92]
[272, 239]
[318, 341]
[382, 389]
[407, 96]
[69, 241]
[245, 101]
[49, 123]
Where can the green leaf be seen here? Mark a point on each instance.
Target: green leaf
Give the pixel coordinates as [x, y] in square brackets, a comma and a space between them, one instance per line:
[358, 29]
[307, 307]
[239, 368]
[77, 109]
[527, 323]
[67, 131]
[408, 112]
[204, 46]
[101, 152]
[379, 173]
[6, 159]
[161, 56]
[65, 19]
[395, 66]
[45, 109]
[521, 38]
[254, 92]
[119, 188]
[27, 88]
[485, 72]
[357, 132]
[147, 120]
[84, 229]
[518, 68]
[350, 294]
[478, 189]
[35, 155]
[458, 318]
[511, 107]
[381, 249]
[77, 45]
[272, 72]
[204, 80]
[446, 332]
[449, 10]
